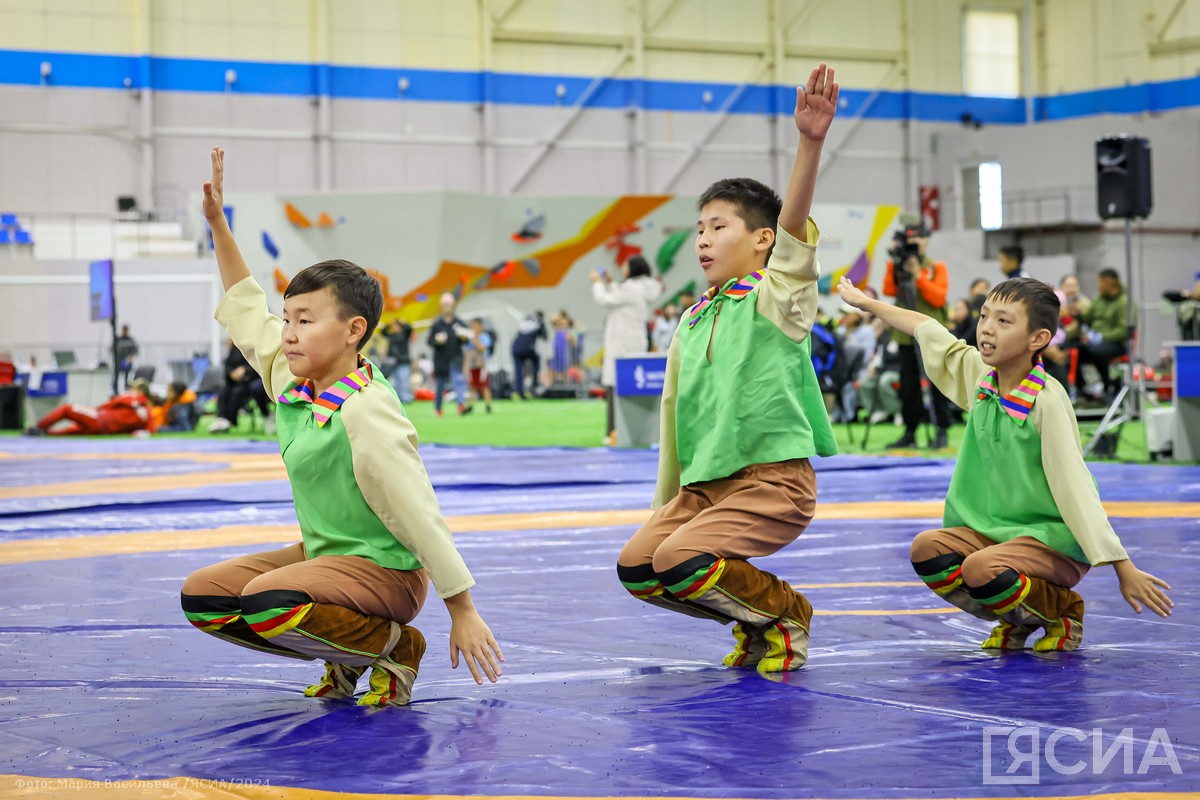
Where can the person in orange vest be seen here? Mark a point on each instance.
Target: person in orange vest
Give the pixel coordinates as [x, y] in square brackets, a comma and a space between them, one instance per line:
[177, 412]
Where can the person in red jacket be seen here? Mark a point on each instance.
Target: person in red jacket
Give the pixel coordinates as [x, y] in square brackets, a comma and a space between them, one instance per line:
[125, 413]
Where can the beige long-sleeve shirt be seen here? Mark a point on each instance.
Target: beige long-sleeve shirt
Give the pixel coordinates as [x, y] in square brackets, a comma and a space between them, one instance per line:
[991, 490]
[359, 485]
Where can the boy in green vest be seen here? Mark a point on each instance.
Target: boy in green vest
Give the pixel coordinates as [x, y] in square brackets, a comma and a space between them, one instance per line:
[742, 413]
[1023, 521]
[373, 535]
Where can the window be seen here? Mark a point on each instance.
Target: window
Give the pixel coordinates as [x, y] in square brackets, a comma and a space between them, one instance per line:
[991, 197]
[992, 53]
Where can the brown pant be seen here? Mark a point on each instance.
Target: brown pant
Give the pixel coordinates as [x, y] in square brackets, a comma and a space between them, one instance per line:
[986, 559]
[346, 581]
[756, 511]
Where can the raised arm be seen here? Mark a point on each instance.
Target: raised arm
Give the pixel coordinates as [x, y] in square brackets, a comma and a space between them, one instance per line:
[788, 293]
[229, 258]
[816, 105]
[902, 319]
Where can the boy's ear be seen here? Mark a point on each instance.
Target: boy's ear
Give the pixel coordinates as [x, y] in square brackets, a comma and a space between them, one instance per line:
[358, 327]
[764, 239]
[1040, 338]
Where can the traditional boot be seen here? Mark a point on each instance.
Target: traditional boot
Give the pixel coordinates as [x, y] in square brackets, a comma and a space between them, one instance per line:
[392, 676]
[759, 600]
[1065, 633]
[749, 647]
[1029, 603]
[1007, 636]
[344, 637]
[340, 680]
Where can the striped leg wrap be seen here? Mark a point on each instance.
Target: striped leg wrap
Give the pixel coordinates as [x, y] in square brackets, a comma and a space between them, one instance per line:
[943, 574]
[643, 583]
[221, 616]
[1005, 596]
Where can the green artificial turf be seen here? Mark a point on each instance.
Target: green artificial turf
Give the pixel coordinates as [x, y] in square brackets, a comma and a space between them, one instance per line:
[580, 423]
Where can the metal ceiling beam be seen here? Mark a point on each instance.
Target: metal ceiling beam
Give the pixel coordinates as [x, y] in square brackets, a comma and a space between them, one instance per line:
[722, 115]
[857, 120]
[577, 109]
[682, 44]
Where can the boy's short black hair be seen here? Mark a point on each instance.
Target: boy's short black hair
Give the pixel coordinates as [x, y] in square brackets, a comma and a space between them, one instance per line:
[357, 293]
[1015, 252]
[639, 267]
[1041, 303]
[757, 204]
[1110, 273]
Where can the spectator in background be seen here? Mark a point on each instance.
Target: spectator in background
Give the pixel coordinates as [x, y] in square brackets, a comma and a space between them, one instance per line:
[524, 352]
[976, 295]
[859, 341]
[878, 388]
[399, 339]
[475, 359]
[1012, 259]
[564, 345]
[242, 385]
[124, 349]
[1107, 331]
[960, 319]
[177, 413]
[447, 336]
[628, 303]
[1074, 305]
[918, 284]
[665, 322]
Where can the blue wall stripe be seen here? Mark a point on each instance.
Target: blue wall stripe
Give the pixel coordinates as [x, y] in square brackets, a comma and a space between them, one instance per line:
[93, 71]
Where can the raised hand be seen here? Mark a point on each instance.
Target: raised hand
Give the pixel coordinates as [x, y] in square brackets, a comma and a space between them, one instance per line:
[851, 294]
[816, 103]
[214, 189]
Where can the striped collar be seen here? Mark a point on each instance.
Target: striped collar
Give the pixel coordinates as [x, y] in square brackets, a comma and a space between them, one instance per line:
[332, 398]
[734, 288]
[1019, 402]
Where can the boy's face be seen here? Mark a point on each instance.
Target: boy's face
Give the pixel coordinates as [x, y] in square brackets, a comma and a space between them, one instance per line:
[725, 246]
[1005, 340]
[1008, 265]
[315, 337]
[1109, 287]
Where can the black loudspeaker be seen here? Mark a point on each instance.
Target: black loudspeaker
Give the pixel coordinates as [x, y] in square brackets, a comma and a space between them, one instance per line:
[1123, 177]
[12, 407]
[126, 203]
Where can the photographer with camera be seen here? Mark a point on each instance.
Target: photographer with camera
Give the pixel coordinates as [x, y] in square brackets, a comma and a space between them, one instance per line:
[920, 285]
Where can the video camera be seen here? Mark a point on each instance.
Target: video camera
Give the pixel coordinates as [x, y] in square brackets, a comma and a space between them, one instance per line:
[904, 246]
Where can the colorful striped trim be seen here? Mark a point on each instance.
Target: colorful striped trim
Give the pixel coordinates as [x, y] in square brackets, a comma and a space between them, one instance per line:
[1009, 599]
[945, 582]
[210, 622]
[651, 588]
[735, 288]
[269, 624]
[332, 398]
[1020, 401]
[699, 582]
